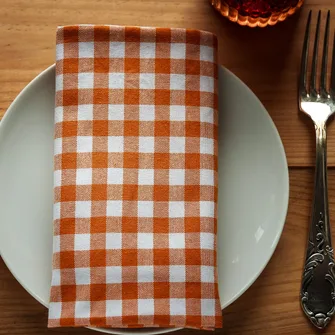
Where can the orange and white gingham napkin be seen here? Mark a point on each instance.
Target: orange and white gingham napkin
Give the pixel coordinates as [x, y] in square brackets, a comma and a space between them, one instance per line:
[135, 178]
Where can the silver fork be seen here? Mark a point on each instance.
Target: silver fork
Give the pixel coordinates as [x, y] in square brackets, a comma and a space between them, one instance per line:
[318, 281]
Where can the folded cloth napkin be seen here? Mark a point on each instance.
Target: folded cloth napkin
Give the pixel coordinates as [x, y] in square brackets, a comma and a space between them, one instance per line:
[135, 178]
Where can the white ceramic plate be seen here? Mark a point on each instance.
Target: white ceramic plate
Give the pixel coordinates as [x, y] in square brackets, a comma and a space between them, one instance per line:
[253, 184]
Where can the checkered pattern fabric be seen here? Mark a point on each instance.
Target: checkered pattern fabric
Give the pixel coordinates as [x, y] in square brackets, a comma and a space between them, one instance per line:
[135, 178]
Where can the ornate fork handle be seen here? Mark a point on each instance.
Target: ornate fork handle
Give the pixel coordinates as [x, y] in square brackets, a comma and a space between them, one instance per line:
[318, 282]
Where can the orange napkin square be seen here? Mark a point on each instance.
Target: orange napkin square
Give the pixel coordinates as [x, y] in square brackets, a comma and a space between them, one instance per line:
[135, 178]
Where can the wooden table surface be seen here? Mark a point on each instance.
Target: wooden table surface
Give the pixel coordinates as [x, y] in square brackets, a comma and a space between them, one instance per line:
[267, 60]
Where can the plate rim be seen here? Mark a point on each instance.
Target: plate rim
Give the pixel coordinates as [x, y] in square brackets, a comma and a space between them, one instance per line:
[3, 122]
[287, 194]
[5, 119]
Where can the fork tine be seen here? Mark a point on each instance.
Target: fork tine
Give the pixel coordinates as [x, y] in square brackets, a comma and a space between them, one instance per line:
[304, 58]
[332, 83]
[315, 57]
[323, 84]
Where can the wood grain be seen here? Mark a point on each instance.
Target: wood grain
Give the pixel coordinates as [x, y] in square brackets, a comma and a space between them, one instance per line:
[270, 306]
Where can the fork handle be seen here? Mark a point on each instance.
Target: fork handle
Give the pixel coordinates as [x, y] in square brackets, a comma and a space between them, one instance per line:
[318, 281]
